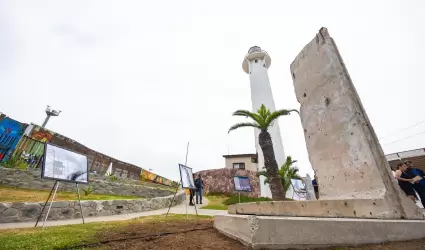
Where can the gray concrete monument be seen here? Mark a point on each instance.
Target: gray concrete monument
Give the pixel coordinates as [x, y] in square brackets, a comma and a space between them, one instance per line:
[359, 201]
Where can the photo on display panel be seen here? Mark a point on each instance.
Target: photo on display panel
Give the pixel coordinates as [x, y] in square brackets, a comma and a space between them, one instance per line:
[64, 165]
[242, 183]
[186, 177]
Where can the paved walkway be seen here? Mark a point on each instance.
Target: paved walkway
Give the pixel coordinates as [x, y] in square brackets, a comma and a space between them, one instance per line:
[179, 209]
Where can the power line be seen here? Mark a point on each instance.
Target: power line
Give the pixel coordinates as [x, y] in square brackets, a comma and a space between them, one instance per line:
[405, 138]
[398, 131]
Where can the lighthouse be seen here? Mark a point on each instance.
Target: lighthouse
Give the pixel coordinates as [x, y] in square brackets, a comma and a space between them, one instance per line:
[256, 64]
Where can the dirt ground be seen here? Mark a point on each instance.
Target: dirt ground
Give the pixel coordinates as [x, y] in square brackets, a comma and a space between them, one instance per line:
[205, 237]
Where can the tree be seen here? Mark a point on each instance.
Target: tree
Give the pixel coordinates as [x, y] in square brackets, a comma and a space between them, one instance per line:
[286, 173]
[262, 120]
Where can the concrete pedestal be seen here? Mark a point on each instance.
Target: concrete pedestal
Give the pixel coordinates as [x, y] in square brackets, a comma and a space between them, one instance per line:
[354, 208]
[275, 232]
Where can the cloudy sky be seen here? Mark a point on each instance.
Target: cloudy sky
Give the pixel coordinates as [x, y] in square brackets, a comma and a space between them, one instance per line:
[138, 79]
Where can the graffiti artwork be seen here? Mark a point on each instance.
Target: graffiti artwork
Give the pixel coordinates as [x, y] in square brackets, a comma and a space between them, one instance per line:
[41, 134]
[10, 134]
[149, 176]
[29, 150]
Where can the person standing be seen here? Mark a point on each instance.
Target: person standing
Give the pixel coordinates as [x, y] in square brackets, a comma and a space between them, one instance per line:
[315, 186]
[191, 192]
[199, 184]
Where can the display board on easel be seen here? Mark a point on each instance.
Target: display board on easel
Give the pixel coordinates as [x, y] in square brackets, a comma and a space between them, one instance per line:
[62, 165]
[186, 181]
[186, 177]
[242, 184]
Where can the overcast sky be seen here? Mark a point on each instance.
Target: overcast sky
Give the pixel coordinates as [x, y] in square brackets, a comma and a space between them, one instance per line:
[138, 79]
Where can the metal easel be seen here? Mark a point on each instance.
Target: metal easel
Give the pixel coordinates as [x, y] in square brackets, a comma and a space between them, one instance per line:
[177, 188]
[55, 188]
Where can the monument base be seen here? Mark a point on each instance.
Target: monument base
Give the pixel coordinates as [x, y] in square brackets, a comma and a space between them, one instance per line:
[354, 208]
[275, 232]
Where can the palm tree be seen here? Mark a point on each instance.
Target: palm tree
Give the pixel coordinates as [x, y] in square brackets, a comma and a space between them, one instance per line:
[262, 120]
[286, 173]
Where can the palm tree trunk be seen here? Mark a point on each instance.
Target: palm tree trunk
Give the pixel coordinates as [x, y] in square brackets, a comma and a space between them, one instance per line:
[271, 166]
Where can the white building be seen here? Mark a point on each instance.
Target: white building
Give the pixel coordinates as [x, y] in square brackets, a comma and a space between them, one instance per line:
[242, 161]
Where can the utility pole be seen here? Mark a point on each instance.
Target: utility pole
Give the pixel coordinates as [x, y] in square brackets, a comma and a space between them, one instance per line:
[50, 112]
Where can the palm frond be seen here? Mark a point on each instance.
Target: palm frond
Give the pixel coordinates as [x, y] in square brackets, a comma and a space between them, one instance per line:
[278, 113]
[243, 124]
[263, 112]
[262, 173]
[265, 174]
[254, 116]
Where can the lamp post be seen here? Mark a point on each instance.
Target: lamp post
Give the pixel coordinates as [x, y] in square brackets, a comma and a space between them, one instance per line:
[50, 112]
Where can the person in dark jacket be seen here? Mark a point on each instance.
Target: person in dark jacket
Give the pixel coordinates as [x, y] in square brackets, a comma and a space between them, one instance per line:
[199, 184]
[405, 182]
[315, 186]
[418, 186]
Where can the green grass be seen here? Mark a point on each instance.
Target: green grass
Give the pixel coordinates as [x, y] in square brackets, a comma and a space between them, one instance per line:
[71, 235]
[13, 194]
[222, 201]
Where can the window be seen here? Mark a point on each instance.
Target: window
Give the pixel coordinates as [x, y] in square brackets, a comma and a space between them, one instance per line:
[238, 165]
[254, 159]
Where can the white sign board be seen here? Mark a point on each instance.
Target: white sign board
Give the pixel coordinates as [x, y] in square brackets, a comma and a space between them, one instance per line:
[186, 177]
[64, 165]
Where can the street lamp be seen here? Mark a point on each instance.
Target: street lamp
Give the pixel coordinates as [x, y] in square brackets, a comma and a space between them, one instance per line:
[50, 112]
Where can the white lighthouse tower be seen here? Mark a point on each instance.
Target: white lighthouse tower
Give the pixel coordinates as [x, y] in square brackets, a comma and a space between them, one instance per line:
[256, 64]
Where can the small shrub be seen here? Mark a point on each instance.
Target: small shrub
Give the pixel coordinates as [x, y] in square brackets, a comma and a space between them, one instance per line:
[113, 178]
[88, 191]
[22, 165]
[13, 163]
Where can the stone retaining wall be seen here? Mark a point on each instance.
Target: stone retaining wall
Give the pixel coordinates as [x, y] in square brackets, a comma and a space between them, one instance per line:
[32, 179]
[63, 210]
[221, 181]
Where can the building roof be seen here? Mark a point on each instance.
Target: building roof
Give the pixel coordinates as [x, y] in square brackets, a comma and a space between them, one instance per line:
[240, 155]
[417, 156]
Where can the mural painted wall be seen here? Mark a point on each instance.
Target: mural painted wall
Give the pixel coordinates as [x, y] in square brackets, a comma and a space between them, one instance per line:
[11, 132]
[149, 176]
[29, 150]
[40, 134]
[27, 143]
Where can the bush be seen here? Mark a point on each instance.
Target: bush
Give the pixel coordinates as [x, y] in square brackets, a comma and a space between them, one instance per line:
[15, 163]
[113, 178]
[88, 191]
